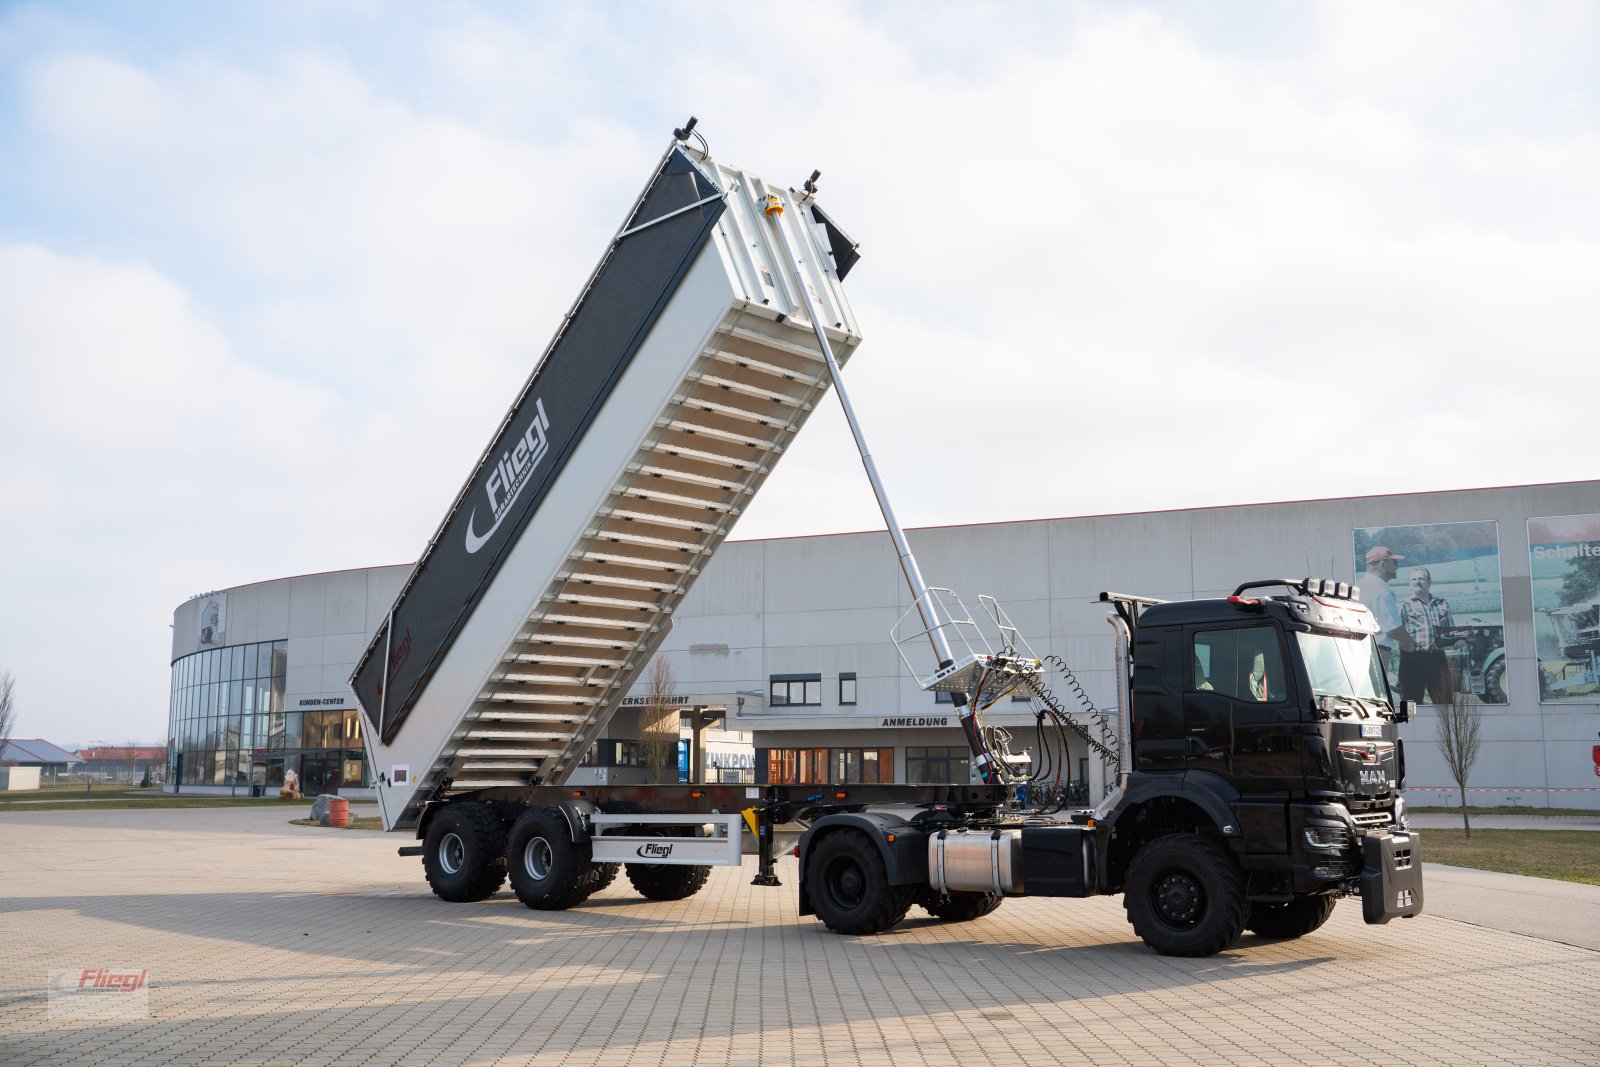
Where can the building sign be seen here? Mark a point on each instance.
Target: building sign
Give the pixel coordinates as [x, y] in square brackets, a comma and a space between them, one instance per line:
[213, 626]
[1564, 565]
[917, 720]
[318, 702]
[674, 701]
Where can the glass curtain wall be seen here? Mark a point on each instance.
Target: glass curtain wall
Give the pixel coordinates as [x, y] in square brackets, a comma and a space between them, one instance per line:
[228, 725]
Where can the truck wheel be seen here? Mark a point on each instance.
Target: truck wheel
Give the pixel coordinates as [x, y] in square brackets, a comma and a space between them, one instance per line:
[464, 853]
[1494, 683]
[849, 886]
[959, 907]
[1185, 896]
[1295, 919]
[602, 875]
[659, 881]
[549, 870]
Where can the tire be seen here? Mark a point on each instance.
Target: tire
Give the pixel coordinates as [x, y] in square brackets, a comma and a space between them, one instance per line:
[1184, 895]
[849, 886]
[1295, 919]
[602, 875]
[1494, 683]
[660, 881]
[464, 853]
[549, 871]
[959, 907]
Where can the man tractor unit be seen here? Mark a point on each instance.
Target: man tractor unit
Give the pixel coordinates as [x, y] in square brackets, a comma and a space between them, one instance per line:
[1258, 771]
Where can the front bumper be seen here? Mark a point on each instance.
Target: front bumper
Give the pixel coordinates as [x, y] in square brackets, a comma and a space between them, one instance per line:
[1391, 875]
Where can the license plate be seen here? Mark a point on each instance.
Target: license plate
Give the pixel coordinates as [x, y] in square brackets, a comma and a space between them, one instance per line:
[1372, 729]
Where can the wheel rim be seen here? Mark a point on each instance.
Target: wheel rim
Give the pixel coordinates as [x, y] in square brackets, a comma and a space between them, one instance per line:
[1179, 899]
[847, 884]
[452, 853]
[538, 859]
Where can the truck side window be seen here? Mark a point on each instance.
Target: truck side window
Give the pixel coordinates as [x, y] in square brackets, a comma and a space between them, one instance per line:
[1245, 664]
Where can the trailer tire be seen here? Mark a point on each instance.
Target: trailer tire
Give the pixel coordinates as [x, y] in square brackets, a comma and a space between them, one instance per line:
[464, 853]
[849, 885]
[1295, 919]
[660, 881]
[602, 875]
[549, 870]
[960, 907]
[1184, 895]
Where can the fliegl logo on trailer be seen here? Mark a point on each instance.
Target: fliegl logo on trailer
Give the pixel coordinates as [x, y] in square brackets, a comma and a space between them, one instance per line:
[99, 993]
[512, 473]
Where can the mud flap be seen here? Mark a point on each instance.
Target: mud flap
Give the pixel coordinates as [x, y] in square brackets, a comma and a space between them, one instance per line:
[1391, 876]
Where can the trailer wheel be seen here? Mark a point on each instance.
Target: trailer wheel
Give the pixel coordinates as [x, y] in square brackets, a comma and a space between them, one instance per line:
[549, 870]
[602, 875]
[1295, 919]
[464, 853]
[849, 886]
[658, 881]
[1185, 896]
[959, 907]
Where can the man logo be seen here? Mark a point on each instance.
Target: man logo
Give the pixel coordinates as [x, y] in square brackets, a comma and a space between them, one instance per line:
[654, 850]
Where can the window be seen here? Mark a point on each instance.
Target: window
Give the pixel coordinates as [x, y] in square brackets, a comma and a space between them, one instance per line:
[796, 690]
[847, 688]
[942, 697]
[938, 766]
[1245, 664]
[823, 766]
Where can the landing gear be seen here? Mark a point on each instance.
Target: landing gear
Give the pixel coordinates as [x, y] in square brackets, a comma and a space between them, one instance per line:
[1185, 896]
[1295, 919]
[463, 853]
[850, 888]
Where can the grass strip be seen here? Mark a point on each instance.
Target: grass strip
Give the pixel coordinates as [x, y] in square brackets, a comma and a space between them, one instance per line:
[1567, 855]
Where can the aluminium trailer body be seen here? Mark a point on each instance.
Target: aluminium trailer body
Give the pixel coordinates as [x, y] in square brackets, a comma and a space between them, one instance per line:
[672, 387]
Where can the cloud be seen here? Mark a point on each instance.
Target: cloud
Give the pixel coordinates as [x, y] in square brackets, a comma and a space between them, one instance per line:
[1115, 259]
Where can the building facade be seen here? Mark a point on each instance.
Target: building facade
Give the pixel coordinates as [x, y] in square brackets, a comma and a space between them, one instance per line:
[787, 642]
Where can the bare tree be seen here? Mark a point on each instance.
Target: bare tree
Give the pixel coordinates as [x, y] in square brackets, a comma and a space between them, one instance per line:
[1458, 727]
[658, 722]
[8, 707]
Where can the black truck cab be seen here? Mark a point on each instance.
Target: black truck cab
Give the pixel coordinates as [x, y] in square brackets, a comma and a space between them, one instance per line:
[1267, 720]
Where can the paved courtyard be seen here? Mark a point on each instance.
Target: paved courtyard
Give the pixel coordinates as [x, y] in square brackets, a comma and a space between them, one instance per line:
[267, 943]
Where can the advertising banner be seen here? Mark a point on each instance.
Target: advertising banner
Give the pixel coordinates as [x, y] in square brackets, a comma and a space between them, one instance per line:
[1564, 563]
[1435, 590]
[213, 626]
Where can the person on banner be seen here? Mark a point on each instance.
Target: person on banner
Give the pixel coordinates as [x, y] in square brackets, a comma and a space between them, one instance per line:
[1424, 670]
[1382, 567]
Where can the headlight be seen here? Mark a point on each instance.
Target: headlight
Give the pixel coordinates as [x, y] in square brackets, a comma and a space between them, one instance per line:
[1331, 838]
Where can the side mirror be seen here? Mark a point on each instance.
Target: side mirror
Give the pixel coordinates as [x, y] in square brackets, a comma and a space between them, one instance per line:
[1406, 712]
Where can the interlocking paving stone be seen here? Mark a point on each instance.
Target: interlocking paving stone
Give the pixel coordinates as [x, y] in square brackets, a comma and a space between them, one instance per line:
[272, 944]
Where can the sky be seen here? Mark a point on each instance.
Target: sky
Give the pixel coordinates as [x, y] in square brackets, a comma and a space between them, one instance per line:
[1115, 257]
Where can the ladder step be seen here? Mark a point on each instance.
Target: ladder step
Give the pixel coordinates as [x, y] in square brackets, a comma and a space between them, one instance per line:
[626, 583]
[736, 462]
[513, 697]
[695, 429]
[725, 484]
[624, 538]
[635, 492]
[752, 390]
[500, 715]
[567, 661]
[778, 344]
[662, 520]
[522, 678]
[607, 602]
[546, 640]
[595, 622]
[711, 407]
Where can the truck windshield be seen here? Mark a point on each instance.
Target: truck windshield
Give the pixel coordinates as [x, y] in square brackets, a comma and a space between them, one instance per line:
[1342, 666]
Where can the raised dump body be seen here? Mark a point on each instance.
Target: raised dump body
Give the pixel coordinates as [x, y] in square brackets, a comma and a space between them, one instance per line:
[670, 390]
